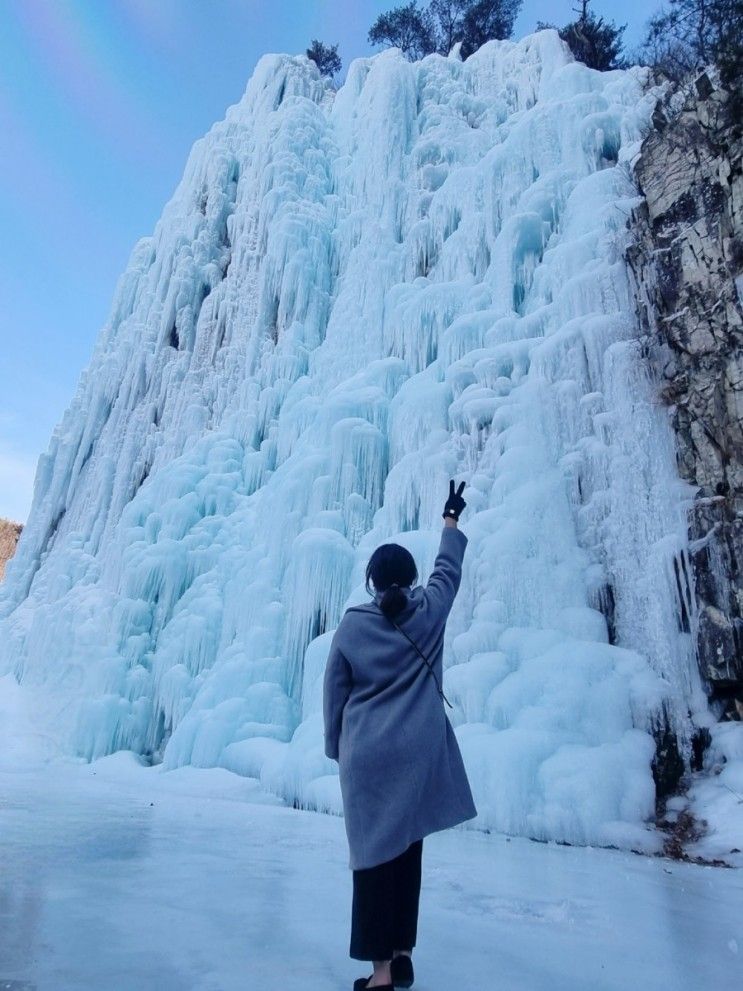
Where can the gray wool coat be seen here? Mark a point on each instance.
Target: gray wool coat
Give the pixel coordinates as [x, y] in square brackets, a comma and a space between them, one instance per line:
[401, 771]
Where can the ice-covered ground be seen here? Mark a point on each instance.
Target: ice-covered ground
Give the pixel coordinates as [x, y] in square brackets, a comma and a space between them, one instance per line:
[118, 877]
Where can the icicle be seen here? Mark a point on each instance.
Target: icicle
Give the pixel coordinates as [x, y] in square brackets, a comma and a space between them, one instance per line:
[317, 587]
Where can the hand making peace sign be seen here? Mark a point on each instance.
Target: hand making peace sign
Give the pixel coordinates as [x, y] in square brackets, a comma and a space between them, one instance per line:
[455, 503]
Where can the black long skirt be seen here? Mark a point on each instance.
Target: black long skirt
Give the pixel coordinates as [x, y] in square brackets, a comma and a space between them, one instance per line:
[384, 917]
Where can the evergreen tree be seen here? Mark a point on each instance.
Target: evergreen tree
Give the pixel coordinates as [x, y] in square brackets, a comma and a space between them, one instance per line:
[418, 31]
[592, 40]
[487, 20]
[326, 57]
[448, 17]
[408, 28]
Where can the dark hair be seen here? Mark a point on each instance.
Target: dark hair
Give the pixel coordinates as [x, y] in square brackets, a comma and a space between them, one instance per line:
[390, 567]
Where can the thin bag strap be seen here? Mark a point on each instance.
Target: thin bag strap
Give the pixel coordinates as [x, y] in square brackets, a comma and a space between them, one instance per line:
[427, 662]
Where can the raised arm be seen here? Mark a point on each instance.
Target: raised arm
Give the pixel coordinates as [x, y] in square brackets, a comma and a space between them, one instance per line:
[443, 583]
[336, 689]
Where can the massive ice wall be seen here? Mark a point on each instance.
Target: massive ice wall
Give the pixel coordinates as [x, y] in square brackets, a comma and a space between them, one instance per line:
[352, 297]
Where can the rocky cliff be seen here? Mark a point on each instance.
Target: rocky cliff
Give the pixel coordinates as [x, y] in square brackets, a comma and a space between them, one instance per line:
[9, 535]
[687, 264]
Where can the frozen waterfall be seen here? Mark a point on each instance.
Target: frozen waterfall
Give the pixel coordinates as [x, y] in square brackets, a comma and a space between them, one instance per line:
[352, 297]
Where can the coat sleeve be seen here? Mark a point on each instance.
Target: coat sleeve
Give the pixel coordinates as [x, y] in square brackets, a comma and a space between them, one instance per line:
[336, 689]
[443, 583]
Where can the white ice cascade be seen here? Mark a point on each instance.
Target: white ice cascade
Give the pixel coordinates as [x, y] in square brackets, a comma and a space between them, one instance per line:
[352, 297]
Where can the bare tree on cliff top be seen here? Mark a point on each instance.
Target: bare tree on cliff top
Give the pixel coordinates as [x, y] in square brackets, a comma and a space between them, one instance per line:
[690, 34]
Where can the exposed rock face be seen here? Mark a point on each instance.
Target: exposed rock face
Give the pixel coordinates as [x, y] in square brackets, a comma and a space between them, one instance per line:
[9, 535]
[687, 264]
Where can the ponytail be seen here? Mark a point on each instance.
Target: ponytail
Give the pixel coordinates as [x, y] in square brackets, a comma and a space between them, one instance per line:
[393, 600]
[391, 569]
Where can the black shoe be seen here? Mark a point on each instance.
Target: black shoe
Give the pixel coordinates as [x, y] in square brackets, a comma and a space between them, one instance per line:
[401, 969]
[360, 985]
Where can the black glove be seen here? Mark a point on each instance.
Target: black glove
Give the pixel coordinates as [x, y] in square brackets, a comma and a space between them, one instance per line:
[455, 503]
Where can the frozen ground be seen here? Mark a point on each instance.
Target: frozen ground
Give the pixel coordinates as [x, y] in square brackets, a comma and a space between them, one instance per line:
[116, 877]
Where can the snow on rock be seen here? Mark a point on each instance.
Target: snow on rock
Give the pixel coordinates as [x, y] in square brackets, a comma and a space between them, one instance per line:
[715, 799]
[352, 297]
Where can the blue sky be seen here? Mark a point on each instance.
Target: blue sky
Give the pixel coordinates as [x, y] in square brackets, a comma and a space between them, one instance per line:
[100, 102]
